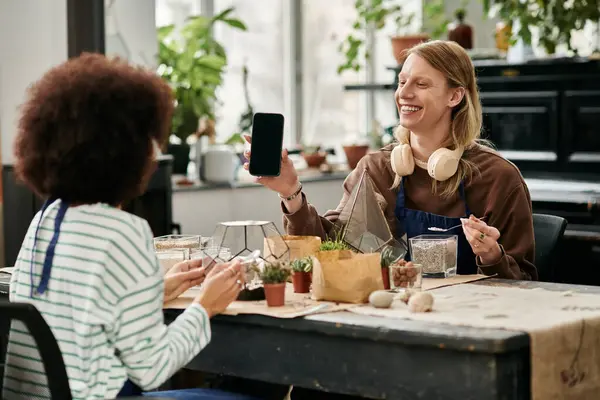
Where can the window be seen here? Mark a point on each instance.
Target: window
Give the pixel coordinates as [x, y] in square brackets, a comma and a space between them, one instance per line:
[261, 49]
[330, 115]
[175, 11]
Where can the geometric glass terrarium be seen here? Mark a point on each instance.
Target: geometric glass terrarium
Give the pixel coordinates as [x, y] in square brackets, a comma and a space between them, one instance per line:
[364, 226]
[241, 238]
[238, 239]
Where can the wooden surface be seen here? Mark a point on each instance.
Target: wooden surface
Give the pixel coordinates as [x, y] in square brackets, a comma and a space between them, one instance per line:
[371, 356]
[375, 357]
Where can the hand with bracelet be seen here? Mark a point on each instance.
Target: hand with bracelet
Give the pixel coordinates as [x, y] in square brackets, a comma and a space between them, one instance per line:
[287, 184]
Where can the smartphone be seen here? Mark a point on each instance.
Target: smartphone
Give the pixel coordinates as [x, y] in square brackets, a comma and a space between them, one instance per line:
[267, 144]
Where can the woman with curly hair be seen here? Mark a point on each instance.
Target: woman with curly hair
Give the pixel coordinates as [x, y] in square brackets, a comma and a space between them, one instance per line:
[87, 141]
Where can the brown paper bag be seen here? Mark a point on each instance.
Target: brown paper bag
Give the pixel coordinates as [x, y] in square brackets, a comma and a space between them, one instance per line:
[300, 246]
[344, 276]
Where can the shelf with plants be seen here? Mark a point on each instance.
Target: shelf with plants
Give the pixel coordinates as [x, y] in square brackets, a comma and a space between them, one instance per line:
[556, 20]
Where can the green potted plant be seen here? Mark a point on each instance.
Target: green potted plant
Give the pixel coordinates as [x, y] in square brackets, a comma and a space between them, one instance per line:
[376, 13]
[334, 247]
[274, 277]
[192, 61]
[556, 19]
[301, 274]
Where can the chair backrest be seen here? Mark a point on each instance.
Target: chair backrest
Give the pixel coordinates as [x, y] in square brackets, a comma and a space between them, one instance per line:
[548, 231]
[51, 357]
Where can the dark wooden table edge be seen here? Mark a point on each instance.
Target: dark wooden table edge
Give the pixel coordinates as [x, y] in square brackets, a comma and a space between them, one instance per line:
[448, 337]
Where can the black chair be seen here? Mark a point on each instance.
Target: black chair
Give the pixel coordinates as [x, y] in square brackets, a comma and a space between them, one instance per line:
[54, 366]
[548, 231]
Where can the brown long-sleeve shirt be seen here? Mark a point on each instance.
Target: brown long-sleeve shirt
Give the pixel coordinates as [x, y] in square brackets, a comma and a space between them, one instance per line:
[496, 191]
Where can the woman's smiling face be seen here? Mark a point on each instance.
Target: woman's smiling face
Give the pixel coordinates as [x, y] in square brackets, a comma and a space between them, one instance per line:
[423, 97]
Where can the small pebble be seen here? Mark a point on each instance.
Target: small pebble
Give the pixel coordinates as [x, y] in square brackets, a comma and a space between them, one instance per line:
[381, 299]
[405, 296]
[420, 302]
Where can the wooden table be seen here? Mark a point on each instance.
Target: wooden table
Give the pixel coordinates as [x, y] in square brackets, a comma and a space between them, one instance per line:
[374, 357]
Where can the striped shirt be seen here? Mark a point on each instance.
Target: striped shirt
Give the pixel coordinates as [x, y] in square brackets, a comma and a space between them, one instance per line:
[104, 305]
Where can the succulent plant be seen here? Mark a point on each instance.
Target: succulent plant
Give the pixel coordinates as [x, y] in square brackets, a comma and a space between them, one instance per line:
[275, 273]
[302, 264]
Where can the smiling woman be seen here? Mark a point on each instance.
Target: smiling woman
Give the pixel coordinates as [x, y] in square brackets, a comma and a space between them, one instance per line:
[438, 173]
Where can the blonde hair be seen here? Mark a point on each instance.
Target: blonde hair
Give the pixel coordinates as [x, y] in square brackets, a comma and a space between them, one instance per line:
[465, 128]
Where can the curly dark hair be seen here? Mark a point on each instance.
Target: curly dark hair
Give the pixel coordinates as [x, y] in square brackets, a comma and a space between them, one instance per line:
[86, 129]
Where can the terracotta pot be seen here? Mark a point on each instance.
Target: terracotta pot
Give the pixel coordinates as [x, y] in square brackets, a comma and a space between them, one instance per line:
[354, 154]
[385, 274]
[314, 160]
[301, 282]
[400, 44]
[275, 294]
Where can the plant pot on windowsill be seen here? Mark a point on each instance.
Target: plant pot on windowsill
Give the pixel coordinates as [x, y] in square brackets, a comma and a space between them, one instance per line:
[314, 160]
[274, 277]
[400, 45]
[355, 153]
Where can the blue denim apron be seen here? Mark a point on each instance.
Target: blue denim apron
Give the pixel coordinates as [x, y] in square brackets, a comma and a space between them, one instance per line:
[414, 223]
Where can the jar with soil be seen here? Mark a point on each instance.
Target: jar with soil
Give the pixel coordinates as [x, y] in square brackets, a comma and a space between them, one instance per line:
[437, 254]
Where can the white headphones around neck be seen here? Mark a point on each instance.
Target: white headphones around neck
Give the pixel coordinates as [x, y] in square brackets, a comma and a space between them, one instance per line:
[442, 164]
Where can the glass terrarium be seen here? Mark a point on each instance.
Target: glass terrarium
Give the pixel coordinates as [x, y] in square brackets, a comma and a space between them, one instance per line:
[363, 223]
[239, 239]
[437, 254]
[186, 243]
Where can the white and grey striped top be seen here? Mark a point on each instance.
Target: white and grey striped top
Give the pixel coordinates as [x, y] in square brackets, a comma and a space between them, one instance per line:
[104, 305]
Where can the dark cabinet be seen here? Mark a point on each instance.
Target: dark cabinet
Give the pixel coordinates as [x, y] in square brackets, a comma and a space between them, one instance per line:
[522, 125]
[581, 125]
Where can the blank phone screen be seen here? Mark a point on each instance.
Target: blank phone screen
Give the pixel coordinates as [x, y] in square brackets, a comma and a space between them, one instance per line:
[267, 143]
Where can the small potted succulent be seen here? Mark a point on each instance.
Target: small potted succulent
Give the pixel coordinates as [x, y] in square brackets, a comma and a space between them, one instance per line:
[274, 277]
[301, 274]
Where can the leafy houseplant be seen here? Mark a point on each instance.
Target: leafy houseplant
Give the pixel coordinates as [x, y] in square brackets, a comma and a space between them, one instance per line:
[192, 61]
[375, 13]
[301, 274]
[437, 23]
[274, 276]
[556, 19]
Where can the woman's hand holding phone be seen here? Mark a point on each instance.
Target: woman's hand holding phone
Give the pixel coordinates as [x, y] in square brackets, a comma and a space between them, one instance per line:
[287, 183]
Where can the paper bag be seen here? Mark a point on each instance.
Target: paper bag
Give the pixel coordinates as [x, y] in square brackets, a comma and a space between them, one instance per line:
[344, 276]
[300, 246]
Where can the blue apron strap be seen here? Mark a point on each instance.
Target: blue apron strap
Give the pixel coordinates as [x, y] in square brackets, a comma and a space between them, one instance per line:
[400, 201]
[49, 257]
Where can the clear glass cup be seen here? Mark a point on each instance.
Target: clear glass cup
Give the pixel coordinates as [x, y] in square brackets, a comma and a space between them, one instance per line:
[180, 242]
[169, 258]
[438, 254]
[406, 276]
